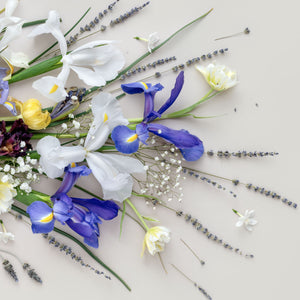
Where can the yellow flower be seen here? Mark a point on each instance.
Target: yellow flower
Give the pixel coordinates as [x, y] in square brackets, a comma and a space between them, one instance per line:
[7, 192]
[219, 77]
[155, 239]
[33, 116]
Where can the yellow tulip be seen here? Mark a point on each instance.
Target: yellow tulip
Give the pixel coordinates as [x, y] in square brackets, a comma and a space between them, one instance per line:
[33, 116]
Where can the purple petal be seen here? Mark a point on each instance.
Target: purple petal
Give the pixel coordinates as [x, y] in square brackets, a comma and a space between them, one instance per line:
[125, 139]
[142, 132]
[83, 229]
[62, 207]
[192, 154]
[190, 146]
[41, 216]
[106, 210]
[72, 173]
[174, 93]
[149, 101]
[135, 87]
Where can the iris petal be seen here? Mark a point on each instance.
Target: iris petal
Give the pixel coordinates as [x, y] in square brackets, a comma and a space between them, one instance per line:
[41, 216]
[106, 210]
[190, 146]
[125, 139]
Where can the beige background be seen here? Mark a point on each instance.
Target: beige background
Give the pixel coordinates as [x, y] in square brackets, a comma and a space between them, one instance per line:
[267, 63]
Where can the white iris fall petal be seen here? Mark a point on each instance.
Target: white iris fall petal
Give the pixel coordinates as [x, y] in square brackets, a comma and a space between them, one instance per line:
[112, 171]
[94, 63]
[52, 26]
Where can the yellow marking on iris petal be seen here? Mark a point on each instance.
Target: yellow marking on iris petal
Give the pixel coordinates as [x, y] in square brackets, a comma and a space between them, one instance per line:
[9, 104]
[53, 89]
[105, 118]
[145, 85]
[73, 165]
[47, 218]
[132, 138]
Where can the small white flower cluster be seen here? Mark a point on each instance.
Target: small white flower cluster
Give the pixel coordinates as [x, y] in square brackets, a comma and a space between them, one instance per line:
[76, 125]
[19, 173]
[163, 171]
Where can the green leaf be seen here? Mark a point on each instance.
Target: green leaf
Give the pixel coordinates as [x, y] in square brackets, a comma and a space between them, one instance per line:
[122, 218]
[27, 199]
[40, 68]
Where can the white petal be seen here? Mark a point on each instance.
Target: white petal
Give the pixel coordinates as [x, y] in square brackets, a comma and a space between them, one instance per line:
[54, 158]
[125, 164]
[111, 69]
[107, 114]
[89, 76]
[115, 185]
[52, 26]
[11, 33]
[17, 59]
[249, 228]
[239, 223]
[153, 41]
[92, 45]
[46, 86]
[10, 7]
[252, 222]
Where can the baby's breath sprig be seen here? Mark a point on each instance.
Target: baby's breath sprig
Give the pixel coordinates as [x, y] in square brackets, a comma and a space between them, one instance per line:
[19, 172]
[163, 170]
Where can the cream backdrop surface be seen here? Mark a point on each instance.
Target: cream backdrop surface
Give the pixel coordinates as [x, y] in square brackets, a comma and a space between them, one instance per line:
[266, 118]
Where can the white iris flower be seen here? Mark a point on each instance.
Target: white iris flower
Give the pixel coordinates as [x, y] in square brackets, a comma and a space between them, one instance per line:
[94, 63]
[111, 170]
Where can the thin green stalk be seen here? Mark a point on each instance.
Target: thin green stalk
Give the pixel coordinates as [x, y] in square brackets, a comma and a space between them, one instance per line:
[86, 249]
[161, 44]
[93, 89]
[183, 112]
[137, 213]
[180, 113]
[37, 136]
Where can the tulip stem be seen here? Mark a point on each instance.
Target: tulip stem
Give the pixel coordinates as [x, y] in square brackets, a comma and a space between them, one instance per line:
[137, 213]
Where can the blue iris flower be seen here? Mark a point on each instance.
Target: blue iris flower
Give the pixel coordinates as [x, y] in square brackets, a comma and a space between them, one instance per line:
[4, 90]
[127, 140]
[81, 215]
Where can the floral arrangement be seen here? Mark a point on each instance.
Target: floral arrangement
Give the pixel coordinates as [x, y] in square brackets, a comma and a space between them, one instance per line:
[85, 133]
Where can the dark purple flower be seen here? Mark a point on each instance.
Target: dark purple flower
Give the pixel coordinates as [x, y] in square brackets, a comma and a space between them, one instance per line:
[16, 141]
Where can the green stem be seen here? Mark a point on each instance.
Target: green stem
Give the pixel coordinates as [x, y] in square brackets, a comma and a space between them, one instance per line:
[161, 44]
[237, 213]
[95, 88]
[183, 112]
[37, 136]
[33, 23]
[137, 213]
[86, 249]
[180, 113]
